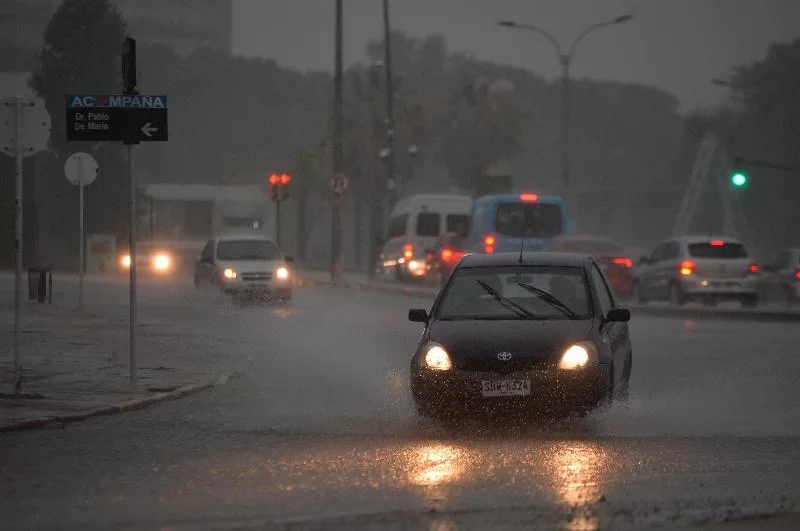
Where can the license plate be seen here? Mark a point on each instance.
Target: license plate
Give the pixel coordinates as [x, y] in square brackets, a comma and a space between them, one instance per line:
[506, 387]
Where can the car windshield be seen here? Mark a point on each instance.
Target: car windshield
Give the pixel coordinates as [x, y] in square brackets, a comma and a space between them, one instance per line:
[247, 250]
[524, 220]
[717, 250]
[588, 246]
[512, 292]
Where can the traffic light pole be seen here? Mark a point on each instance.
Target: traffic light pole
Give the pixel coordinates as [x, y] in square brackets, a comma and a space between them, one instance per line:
[336, 204]
[278, 223]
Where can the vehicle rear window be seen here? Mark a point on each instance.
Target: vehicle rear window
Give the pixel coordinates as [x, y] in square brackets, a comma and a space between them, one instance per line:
[457, 224]
[589, 246]
[728, 250]
[397, 226]
[519, 220]
[428, 224]
[247, 250]
[465, 298]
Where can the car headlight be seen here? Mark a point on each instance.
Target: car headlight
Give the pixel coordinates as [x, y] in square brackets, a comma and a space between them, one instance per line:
[579, 356]
[125, 261]
[229, 273]
[282, 273]
[161, 262]
[436, 358]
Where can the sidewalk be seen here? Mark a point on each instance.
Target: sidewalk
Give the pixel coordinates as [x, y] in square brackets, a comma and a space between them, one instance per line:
[76, 366]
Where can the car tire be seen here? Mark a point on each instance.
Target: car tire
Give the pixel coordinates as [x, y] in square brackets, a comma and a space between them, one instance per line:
[624, 389]
[638, 294]
[750, 302]
[676, 297]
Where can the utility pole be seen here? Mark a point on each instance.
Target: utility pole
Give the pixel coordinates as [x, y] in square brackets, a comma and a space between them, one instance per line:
[392, 180]
[336, 210]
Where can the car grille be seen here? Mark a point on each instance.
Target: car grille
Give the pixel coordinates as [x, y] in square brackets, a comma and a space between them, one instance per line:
[256, 277]
[499, 366]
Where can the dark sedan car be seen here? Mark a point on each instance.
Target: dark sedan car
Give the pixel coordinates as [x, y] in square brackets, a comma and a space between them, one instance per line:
[542, 334]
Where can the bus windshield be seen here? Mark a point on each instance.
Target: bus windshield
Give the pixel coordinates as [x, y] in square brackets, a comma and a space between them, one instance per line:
[525, 220]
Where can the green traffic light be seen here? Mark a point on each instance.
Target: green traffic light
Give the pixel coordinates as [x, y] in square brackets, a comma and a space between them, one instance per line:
[739, 179]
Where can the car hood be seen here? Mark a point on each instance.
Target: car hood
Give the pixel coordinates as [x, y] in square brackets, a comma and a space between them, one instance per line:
[251, 266]
[539, 341]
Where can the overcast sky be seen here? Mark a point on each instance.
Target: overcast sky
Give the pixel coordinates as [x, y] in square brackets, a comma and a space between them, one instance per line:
[678, 45]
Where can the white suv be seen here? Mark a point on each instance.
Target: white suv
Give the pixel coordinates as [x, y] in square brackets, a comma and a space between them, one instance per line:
[243, 266]
[709, 269]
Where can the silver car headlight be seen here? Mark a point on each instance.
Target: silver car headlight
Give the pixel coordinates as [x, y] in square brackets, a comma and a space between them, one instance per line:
[282, 273]
[579, 356]
[435, 357]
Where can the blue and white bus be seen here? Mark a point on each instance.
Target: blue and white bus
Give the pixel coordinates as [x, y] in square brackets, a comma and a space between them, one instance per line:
[505, 222]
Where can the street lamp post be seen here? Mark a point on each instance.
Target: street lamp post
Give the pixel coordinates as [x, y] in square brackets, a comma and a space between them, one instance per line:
[565, 59]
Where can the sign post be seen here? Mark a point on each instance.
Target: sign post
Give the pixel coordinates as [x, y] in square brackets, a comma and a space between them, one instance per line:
[129, 118]
[24, 131]
[81, 170]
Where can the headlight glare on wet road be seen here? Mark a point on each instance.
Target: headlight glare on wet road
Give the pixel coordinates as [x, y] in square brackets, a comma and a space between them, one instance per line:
[436, 358]
[229, 273]
[282, 273]
[578, 356]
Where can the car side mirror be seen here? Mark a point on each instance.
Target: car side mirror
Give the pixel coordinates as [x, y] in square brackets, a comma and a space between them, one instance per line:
[618, 315]
[418, 315]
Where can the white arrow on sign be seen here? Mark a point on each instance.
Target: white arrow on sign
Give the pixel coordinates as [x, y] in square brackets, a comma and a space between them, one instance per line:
[148, 130]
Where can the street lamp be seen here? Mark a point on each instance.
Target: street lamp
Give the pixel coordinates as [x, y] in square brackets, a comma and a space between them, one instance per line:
[566, 62]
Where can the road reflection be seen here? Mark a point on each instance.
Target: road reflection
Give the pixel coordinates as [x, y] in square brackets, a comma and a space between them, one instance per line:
[577, 471]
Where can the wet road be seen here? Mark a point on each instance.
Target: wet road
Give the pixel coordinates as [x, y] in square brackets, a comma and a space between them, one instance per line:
[320, 432]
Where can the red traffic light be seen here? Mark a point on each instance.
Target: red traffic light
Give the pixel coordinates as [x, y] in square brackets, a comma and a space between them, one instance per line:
[285, 178]
[274, 179]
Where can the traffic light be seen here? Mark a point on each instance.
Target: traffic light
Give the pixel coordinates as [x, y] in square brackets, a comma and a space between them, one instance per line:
[279, 186]
[274, 184]
[738, 175]
[284, 192]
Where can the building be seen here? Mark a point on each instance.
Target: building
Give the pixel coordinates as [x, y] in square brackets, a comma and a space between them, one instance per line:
[183, 25]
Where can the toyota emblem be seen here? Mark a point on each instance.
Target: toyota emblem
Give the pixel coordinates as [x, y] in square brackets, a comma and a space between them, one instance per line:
[504, 356]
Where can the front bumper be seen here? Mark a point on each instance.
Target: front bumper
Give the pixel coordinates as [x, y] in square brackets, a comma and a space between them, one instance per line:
[720, 287]
[273, 288]
[552, 391]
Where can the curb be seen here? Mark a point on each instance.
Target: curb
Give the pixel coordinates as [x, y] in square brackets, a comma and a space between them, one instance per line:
[128, 405]
[774, 316]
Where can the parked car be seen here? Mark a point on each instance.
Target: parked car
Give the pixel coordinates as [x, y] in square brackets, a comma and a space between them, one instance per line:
[781, 278]
[705, 268]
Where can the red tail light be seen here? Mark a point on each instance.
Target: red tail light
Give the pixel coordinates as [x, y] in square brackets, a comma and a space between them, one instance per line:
[408, 251]
[488, 244]
[797, 275]
[717, 243]
[627, 262]
[753, 268]
[529, 197]
[687, 268]
[447, 254]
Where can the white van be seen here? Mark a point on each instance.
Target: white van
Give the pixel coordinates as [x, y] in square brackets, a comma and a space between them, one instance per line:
[415, 224]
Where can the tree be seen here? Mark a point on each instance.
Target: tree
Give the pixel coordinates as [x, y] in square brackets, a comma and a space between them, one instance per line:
[768, 128]
[81, 54]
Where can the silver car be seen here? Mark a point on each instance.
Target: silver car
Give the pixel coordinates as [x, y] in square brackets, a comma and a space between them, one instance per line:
[708, 269]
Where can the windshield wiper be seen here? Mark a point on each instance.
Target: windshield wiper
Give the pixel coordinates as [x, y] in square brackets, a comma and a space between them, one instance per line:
[509, 304]
[550, 299]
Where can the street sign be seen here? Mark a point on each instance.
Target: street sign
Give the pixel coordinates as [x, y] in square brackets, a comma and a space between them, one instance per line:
[35, 126]
[339, 183]
[116, 117]
[80, 169]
